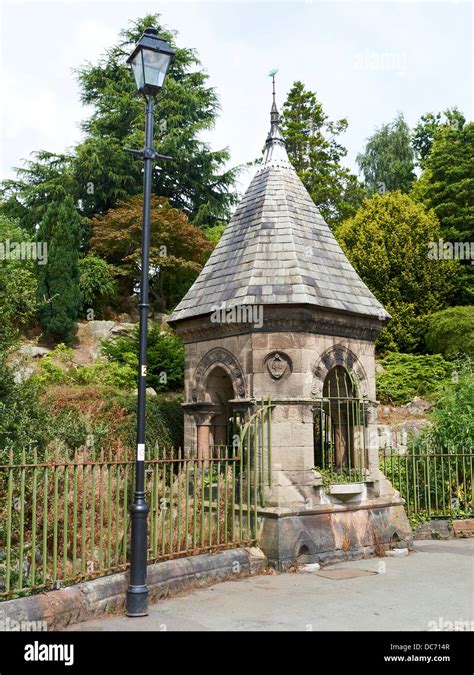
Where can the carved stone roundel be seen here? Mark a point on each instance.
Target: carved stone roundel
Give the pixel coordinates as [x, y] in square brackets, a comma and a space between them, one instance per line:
[278, 365]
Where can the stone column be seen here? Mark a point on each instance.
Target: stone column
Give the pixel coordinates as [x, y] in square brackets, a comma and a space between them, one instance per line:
[203, 450]
[202, 414]
[292, 456]
[372, 442]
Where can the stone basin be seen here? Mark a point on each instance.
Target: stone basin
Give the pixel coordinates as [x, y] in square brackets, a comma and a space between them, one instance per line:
[346, 490]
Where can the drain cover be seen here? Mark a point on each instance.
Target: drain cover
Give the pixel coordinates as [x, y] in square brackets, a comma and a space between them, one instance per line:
[349, 573]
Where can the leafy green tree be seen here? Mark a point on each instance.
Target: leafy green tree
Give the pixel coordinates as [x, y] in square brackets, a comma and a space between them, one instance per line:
[388, 159]
[427, 128]
[313, 149]
[387, 241]
[58, 280]
[451, 332]
[177, 253]
[17, 286]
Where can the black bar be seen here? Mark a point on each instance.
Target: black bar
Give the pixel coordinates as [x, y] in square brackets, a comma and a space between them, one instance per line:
[407, 652]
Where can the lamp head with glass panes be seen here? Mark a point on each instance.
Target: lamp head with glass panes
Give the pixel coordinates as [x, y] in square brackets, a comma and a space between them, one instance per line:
[150, 61]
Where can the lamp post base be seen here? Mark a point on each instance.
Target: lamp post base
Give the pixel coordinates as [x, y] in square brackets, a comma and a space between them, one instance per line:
[137, 601]
[137, 591]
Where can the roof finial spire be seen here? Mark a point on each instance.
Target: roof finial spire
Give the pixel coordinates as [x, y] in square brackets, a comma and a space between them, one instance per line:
[272, 74]
[275, 151]
[274, 111]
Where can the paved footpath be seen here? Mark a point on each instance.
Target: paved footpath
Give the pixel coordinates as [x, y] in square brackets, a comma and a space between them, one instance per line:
[432, 584]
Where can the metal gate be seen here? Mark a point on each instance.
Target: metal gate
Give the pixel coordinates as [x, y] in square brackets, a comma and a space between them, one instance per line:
[200, 505]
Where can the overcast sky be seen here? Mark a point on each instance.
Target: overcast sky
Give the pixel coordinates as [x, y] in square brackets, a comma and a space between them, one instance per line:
[367, 61]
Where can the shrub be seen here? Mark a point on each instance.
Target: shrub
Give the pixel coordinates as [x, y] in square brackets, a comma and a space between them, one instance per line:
[24, 423]
[55, 367]
[17, 288]
[165, 356]
[451, 332]
[164, 421]
[67, 418]
[435, 475]
[450, 432]
[27, 422]
[408, 375]
[109, 373]
[110, 417]
[452, 418]
[96, 282]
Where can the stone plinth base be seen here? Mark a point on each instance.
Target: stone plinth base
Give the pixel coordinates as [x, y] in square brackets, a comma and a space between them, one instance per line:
[326, 535]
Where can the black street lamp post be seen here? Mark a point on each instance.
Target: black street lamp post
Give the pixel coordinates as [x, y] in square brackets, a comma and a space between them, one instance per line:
[149, 61]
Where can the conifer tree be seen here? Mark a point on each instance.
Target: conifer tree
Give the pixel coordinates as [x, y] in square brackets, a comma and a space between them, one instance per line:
[446, 186]
[98, 172]
[447, 182]
[316, 155]
[58, 280]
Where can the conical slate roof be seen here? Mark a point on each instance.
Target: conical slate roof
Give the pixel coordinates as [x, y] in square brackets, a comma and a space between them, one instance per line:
[277, 249]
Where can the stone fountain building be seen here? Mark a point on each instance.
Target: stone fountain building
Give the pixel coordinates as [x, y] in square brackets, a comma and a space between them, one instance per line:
[278, 311]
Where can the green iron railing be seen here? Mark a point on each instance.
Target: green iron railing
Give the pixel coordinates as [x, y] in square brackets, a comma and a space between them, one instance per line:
[64, 518]
[434, 483]
[340, 429]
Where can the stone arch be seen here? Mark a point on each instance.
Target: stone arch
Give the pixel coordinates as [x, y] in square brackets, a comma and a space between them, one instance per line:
[219, 390]
[305, 549]
[339, 355]
[218, 385]
[226, 361]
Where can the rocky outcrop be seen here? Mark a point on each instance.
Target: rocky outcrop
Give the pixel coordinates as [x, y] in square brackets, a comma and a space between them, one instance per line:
[396, 424]
[87, 345]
